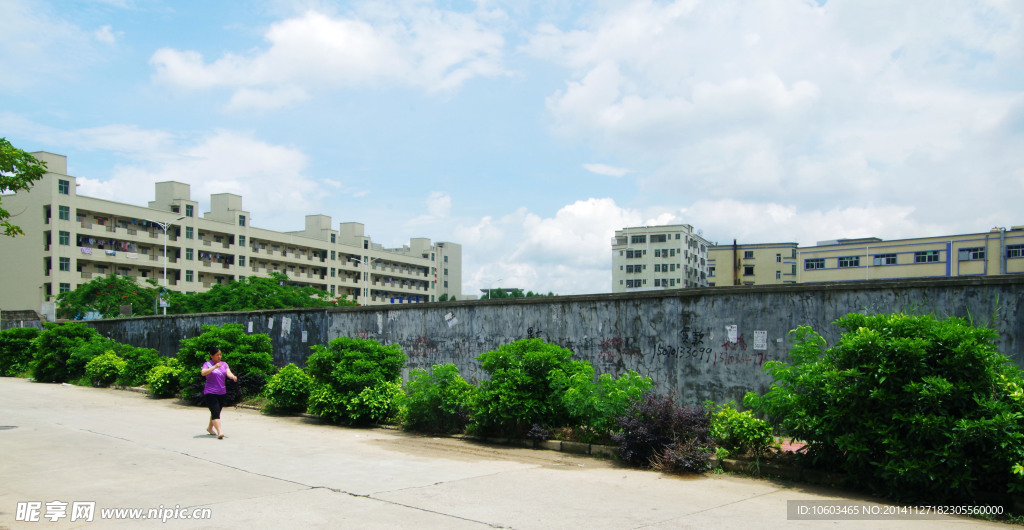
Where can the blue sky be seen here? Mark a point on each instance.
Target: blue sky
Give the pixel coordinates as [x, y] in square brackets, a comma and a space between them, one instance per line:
[530, 131]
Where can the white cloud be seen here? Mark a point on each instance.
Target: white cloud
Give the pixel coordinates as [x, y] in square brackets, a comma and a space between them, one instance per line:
[569, 253]
[38, 46]
[438, 207]
[105, 35]
[605, 169]
[245, 99]
[412, 45]
[270, 178]
[820, 109]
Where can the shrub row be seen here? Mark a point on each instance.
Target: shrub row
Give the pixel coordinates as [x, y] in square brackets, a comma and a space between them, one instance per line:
[909, 407]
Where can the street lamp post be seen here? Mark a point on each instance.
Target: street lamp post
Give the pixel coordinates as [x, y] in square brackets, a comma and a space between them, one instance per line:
[366, 292]
[164, 227]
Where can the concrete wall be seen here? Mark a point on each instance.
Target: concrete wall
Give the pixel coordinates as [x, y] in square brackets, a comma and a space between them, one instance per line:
[699, 343]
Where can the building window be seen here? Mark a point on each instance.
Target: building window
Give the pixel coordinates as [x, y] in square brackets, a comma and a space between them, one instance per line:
[189, 210]
[65, 264]
[778, 275]
[657, 253]
[64, 213]
[849, 261]
[638, 239]
[63, 187]
[64, 238]
[241, 241]
[241, 261]
[748, 254]
[65, 287]
[189, 233]
[241, 220]
[629, 284]
[928, 256]
[885, 259]
[333, 238]
[332, 272]
[657, 282]
[778, 258]
[972, 254]
[711, 272]
[657, 267]
[189, 276]
[188, 253]
[1015, 251]
[811, 264]
[748, 270]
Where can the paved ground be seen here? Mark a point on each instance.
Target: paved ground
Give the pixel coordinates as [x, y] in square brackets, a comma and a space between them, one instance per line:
[121, 449]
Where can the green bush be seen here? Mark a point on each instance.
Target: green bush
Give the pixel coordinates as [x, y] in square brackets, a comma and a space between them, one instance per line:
[104, 369]
[437, 400]
[85, 352]
[246, 355]
[741, 432]
[597, 403]
[380, 403]
[16, 350]
[910, 407]
[519, 393]
[288, 391]
[345, 368]
[53, 348]
[138, 363]
[163, 380]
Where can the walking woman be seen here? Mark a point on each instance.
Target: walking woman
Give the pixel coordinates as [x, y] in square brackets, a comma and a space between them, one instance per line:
[215, 370]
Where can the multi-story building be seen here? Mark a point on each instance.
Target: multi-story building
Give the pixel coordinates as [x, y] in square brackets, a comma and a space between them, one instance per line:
[752, 264]
[70, 239]
[998, 251]
[658, 257]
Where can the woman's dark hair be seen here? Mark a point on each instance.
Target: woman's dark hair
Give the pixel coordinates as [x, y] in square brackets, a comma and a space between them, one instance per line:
[212, 350]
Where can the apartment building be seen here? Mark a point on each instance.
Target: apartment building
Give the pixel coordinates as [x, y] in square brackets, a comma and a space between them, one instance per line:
[70, 239]
[752, 264]
[996, 252]
[658, 257]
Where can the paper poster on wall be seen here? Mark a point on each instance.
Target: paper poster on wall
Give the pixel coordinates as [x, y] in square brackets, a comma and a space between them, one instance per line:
[304, 335]
[450, 319]
[270, 323]
[732, 332]
[286, 326]
[250, 326]
[760, 340]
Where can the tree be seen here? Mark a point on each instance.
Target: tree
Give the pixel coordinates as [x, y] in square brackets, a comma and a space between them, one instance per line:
[514, 293]
[252, 294]
[106, 294]
[18, 171]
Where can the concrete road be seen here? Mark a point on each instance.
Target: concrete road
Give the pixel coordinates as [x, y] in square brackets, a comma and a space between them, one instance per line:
[114, 449]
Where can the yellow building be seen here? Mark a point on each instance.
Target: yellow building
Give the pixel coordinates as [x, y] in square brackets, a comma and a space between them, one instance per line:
[71, 239]
[998, 251]
[752, 264]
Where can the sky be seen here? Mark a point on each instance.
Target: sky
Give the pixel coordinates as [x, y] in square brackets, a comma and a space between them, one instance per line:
[529, 131]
